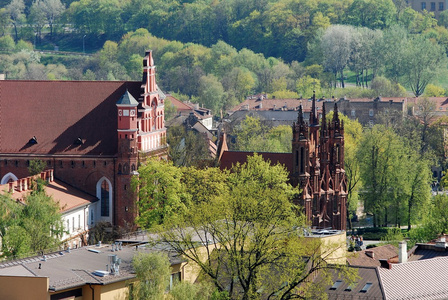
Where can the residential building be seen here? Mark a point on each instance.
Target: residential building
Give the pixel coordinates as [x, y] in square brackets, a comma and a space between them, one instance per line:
[369, 112]
[272, 112]
[92, 134]
[185, 109]
[99, 272]
[77, 208]
[435, 7]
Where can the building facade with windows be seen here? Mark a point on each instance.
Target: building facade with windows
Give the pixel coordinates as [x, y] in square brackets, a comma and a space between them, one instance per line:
[435, 7]
[92, 134]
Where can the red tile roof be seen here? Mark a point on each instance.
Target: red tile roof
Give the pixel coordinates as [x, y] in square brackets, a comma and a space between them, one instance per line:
[230, 158]
[180, 106]
[67, 196]
[58, 112]
[362, 258]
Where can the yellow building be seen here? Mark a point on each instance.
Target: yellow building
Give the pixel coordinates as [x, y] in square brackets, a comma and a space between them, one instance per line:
[99, 272]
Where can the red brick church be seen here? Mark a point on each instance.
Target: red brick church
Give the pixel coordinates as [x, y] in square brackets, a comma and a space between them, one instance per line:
[316, 164]
[93, 134]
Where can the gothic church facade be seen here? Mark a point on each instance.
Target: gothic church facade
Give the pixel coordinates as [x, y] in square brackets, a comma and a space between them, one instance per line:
[318, 168]
[316, 164]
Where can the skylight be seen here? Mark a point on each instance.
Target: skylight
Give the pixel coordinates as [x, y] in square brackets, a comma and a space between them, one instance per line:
[350, 287]
[336, 285]
[366, 288]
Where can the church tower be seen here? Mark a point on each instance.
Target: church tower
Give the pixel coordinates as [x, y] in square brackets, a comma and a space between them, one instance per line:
[152, 130]
[125, 206]
[318, 168]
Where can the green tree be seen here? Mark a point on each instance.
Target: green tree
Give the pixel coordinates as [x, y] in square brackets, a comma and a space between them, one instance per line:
[36, 166]
[53, 10]
[37, 18]
[337, 46]
[160, 193]
[381, 161]
[434, 91]
[424, 60]
[42, 221]
[186, 291]
[187, 147]
[306, 86]
[153, 273]
[375, 14]
[259, 233]
[252, 135]
[211, 93]
[31, 228]
[16, 13]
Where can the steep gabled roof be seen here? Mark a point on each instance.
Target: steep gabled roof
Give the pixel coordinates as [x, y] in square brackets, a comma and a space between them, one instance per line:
[57, 113]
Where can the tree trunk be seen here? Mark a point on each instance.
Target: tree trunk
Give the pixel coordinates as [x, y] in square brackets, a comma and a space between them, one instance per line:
[342, 79]
[15, 30]
[349, 220]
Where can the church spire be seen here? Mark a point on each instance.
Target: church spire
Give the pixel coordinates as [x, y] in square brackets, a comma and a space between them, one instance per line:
[336, 114]
[313, 118]
[324, 119]
[300, 115]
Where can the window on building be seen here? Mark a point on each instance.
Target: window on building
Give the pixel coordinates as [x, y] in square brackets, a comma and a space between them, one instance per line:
[441, 6]
[68, 225]
[353, 113]
[336, 285]
[91, 217]
[79, 221]
[175, 278]
[423, 5]
[73, 224]
[433, 6]
[104, 199]
[371, 112]
[371, 123]
[366, 287]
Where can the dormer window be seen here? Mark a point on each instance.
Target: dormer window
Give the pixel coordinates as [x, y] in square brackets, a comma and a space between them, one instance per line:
[33, 140]
[78, 141]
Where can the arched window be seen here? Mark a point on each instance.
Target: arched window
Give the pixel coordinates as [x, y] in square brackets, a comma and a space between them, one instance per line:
[10, 177]
[104, 194]
[104, 199]
[119, 169]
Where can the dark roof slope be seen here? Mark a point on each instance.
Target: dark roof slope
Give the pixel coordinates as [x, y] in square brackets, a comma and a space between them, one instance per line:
[56, 113]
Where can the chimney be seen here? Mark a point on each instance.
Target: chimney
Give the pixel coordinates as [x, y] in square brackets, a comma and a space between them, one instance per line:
[370, 254]
[441, 243]
[402, 252]
[385, 264]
